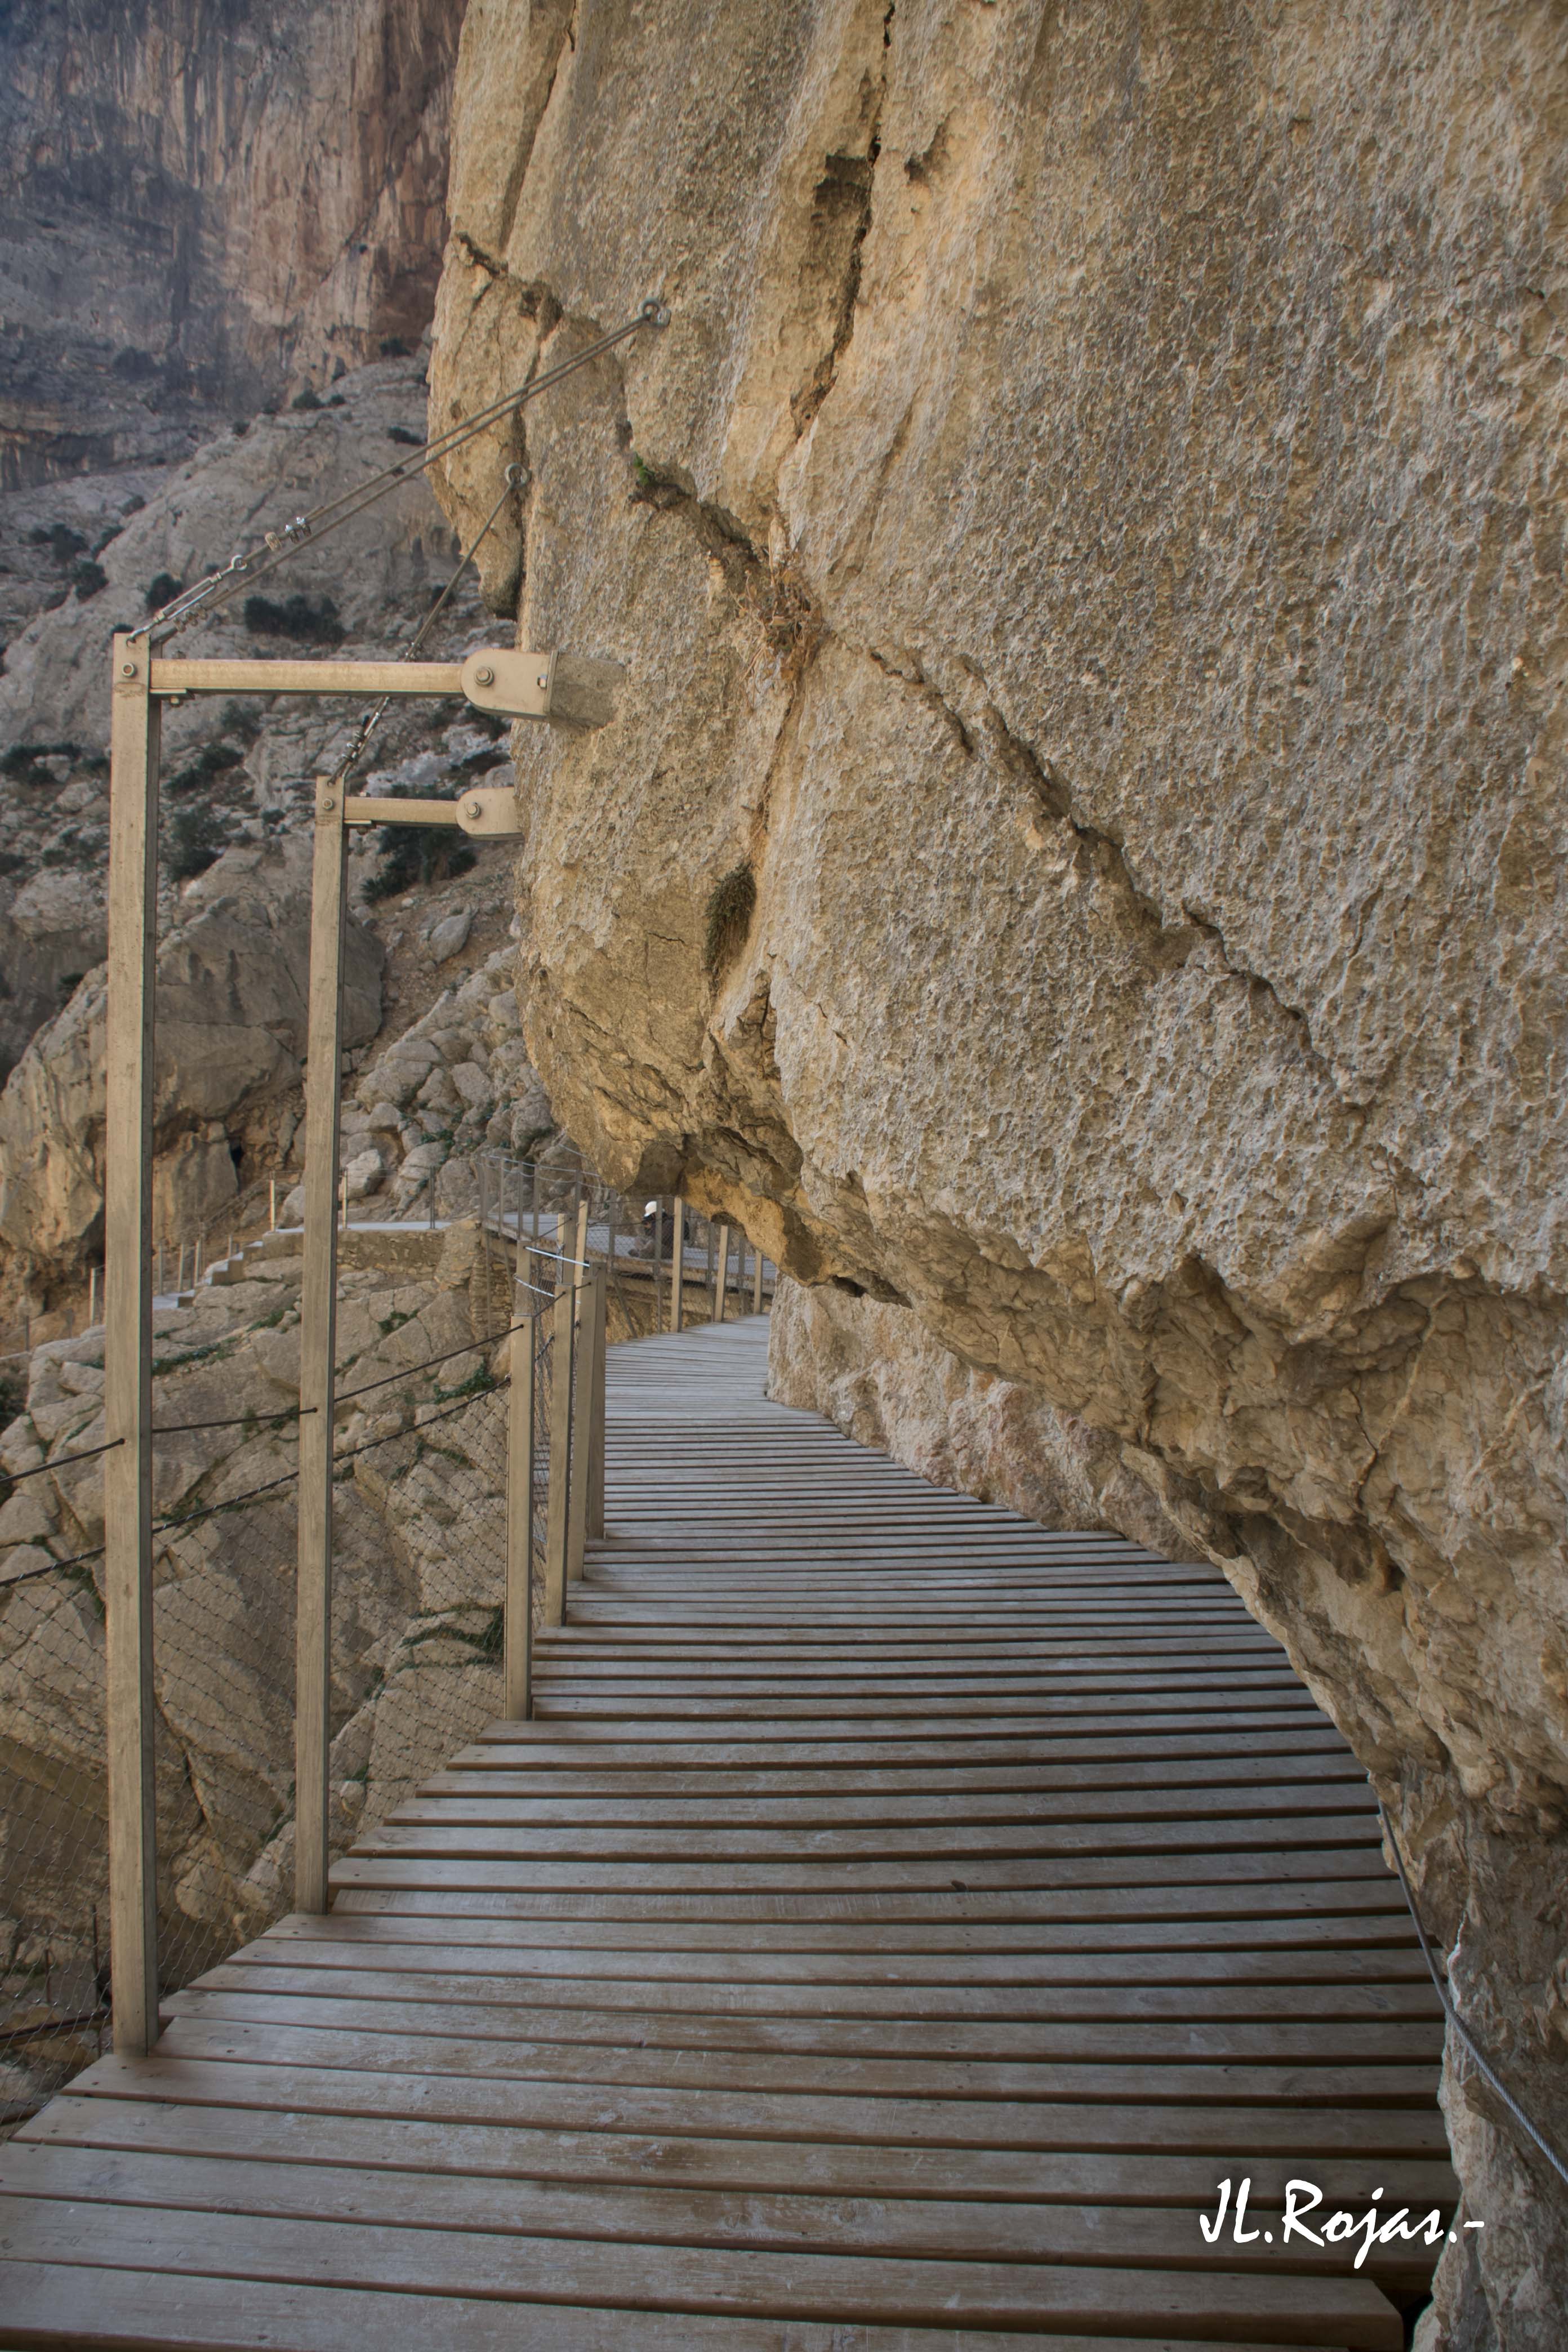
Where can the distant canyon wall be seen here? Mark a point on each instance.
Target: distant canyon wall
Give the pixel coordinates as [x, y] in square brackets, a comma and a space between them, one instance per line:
[203, 202]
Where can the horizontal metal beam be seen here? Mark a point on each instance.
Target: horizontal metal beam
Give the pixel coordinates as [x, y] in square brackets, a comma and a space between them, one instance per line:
[505, 681]
[487, 811]
[366, 810]
[171, 677]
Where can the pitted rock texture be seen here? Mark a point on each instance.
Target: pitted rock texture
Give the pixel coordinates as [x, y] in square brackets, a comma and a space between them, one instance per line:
[1090, 543]
[877, 1371]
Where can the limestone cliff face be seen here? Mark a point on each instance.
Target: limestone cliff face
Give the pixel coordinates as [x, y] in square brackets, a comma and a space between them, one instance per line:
[203, 198]
[1090, 543]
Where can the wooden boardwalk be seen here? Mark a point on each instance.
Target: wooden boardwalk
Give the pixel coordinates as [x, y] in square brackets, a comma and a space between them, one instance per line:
[895, 1924]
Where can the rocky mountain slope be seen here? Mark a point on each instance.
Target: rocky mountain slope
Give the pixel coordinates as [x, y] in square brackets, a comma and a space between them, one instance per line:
[1081, 855]
[237, 817]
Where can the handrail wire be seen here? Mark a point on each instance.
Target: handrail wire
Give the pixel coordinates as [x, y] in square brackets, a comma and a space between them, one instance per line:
[209, 595]
[1462, 2031]
[233, 1502]
[373, 717]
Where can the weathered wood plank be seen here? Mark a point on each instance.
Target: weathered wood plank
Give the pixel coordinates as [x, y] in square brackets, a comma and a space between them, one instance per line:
[367, 2255]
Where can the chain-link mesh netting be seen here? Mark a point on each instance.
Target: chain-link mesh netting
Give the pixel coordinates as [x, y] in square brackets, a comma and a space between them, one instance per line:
[419, 1576]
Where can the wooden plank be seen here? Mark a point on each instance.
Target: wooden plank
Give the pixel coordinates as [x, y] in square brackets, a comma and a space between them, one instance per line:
[1001, 2089]
[994, 2030]
[1313, 1951]
[318, 1326]
[1042, 1841]
[66, 2307]
[1191, 1872]
[887, 1984]
[806, 2167]
[636, 2212]
[828, 2288]
[1218, 2127]
[130, 1708]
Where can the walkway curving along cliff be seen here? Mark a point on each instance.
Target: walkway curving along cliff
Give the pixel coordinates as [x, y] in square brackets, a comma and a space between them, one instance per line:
[896, 1923]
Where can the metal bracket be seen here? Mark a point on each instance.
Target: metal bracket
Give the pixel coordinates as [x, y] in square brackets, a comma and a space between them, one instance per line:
[488, 810]
[513, 685]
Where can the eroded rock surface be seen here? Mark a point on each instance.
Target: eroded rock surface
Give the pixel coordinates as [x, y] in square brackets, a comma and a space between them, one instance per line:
[1087, 555]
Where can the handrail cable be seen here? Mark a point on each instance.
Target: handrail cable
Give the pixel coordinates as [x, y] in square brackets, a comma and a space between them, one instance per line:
[1462, 2031]
[233, 1502]
[219, 587]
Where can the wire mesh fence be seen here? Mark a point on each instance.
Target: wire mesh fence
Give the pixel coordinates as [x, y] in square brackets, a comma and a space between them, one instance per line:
[420, 1556]
[428, 1340]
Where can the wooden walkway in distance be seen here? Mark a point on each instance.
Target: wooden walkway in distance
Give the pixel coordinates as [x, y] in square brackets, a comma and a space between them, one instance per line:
[896, 1922]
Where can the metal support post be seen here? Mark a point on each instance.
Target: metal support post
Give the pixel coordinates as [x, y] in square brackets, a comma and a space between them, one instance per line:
[597, 1351]
[582, 1429]
[722, 1278]
[318, 1342]
[563, 1335]
[517, 1622]
[659, 1266]
[128, 1348]
[756, 1282]
[678, 1267]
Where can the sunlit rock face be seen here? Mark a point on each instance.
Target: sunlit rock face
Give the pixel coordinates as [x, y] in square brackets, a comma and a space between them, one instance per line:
[1088, 544]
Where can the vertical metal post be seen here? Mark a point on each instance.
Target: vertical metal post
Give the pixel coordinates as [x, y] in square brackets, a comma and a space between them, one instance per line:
[757, 1281]
[721, 1278]
[128, 1346]
[708, 1263]
[518, 1621]
[597, 1334]
[580, 1243]
[678, 1267]
[583, 1397]
[659, 1266]
[563, 1338]
[317, 1340]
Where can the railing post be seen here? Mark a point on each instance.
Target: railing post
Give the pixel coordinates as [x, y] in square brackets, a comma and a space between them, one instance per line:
[721, 1276]
[127, 1347]
[562, 1338]
[518, 1620]
[677, 1266]
[659, 1266]
[756, 1282]
[588, 1297]
[317, 1340]
[598, 1333]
